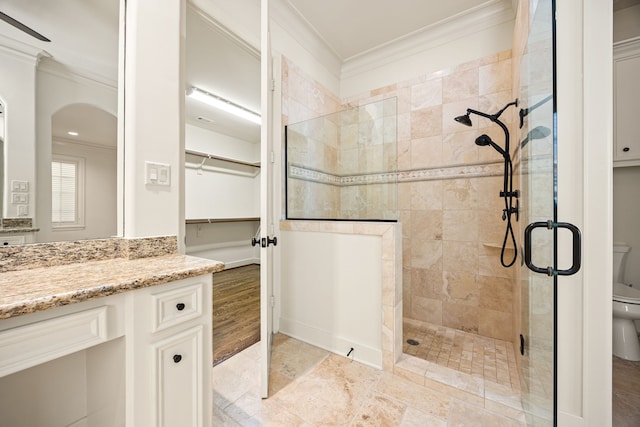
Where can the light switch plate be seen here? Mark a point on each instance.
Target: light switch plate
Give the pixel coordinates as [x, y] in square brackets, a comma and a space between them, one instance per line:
[157, 174]
[20, 186]
[19, 198]
[23, 210]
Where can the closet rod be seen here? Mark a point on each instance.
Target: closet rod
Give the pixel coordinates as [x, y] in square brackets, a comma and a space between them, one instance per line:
[216, 220]
[224, 159]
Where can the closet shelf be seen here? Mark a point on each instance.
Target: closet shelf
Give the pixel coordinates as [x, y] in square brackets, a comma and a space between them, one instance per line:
[223, 159]
[216, 220]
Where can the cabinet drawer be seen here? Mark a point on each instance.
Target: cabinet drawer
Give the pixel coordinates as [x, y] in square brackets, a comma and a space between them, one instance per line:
[30, 345]
[179, 305]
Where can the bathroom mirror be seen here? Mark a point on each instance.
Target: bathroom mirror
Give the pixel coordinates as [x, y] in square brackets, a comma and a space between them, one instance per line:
[59, 98]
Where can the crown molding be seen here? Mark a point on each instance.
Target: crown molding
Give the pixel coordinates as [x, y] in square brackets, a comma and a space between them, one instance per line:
[66, 142]
[293, 22]
[75, 74]
[482, 17]
[21, 51]
[626, 47]
[225, 31]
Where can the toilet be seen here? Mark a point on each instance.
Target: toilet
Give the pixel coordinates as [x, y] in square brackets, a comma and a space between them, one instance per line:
[626, 308]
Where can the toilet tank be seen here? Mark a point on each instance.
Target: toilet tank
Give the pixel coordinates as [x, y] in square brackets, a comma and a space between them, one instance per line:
[620, 251]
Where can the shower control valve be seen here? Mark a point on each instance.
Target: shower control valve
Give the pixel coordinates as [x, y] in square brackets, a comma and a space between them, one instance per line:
[515, 194]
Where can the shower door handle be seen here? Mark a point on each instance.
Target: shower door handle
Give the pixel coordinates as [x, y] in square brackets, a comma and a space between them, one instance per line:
[550, 225]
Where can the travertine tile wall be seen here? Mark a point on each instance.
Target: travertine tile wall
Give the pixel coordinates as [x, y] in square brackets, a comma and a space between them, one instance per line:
[343, 164]
[303, 99]
[450, 207]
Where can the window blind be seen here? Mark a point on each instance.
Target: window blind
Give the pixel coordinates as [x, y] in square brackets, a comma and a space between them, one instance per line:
[64, 193]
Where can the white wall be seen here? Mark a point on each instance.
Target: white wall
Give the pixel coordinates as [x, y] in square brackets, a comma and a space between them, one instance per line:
[332, 292]
[218, 189]
[17, 91]
[626, 23]
[228, 242]
[626, 210]
[100, 194]
[154, 104]
[207, 141]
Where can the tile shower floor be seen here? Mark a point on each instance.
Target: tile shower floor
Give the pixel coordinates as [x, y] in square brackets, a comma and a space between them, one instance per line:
[492, 359]
[312, 387]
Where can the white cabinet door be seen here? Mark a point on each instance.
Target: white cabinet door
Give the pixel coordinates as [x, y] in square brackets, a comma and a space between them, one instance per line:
[626, 72]
[179, 382]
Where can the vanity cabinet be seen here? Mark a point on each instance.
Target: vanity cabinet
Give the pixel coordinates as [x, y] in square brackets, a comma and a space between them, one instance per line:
[137, 358]
[626, 129]
[172, 354]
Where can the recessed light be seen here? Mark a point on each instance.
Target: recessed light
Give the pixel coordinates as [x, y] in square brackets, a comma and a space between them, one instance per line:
[72, 133]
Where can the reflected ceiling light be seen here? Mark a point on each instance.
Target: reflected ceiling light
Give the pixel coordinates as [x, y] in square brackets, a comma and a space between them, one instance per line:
[223, 104]
[72, 133]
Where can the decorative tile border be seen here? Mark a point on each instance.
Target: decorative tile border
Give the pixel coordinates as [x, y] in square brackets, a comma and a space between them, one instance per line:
[448, 172]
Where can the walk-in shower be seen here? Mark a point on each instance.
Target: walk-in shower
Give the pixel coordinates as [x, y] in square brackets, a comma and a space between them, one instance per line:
[507, 193]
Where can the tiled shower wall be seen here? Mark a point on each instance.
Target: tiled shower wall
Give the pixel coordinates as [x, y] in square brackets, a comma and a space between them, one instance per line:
[448, 191]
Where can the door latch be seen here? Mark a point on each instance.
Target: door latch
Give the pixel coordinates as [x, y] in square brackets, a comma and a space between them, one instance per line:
[266, 241]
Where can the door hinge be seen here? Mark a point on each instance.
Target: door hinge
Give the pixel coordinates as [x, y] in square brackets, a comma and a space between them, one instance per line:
[273, 301]
[273, 85]
[272, 157]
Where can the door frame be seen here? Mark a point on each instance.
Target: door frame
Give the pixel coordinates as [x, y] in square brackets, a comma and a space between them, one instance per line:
[585, 144]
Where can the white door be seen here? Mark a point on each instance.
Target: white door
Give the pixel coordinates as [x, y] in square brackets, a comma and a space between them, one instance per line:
[267, 234]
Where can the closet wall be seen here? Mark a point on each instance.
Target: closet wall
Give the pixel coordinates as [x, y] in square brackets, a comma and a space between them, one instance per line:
[222, 197]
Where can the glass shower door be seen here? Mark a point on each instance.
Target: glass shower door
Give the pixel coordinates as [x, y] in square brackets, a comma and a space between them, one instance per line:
[538, 173]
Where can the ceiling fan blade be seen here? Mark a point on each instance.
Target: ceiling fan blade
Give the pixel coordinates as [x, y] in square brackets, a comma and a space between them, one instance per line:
[19, 25]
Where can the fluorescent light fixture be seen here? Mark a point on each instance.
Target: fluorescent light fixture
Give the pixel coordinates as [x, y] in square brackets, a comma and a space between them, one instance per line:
[224, 104]
[72, 133]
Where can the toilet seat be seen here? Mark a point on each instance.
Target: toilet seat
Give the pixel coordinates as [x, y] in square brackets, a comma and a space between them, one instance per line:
[626, 294]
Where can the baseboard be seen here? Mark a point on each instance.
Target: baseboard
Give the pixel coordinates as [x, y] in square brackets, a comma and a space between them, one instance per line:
[327, 340]
[569, 420]
[241, 263]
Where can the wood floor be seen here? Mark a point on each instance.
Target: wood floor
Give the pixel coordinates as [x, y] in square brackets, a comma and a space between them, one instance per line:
[236, 311]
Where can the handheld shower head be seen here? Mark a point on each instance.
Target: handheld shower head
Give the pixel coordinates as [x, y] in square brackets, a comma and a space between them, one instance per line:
[465, 120]
[484, 140]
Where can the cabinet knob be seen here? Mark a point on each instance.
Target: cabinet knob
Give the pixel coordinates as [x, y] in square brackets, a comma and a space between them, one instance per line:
[626, 149]
[180, 306]
[177, 358]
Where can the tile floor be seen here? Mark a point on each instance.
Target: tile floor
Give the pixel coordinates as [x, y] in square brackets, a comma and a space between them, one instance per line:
[626, 393]
[312, 387]
[492, 359]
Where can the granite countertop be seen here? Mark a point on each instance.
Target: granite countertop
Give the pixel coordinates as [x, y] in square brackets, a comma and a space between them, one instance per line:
[18, 230]
[29, 291]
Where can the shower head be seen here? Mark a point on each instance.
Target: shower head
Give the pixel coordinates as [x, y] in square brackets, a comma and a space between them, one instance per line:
[465, 119]
[484, 140]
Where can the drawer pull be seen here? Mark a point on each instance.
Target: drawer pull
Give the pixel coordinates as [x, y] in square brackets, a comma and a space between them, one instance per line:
[180, 306]
[177, 358]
